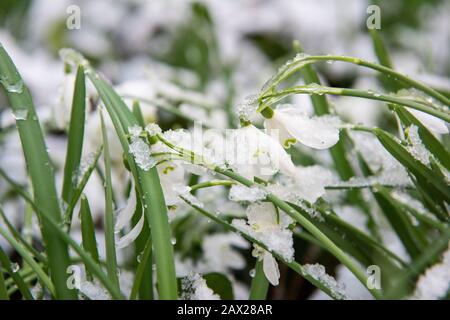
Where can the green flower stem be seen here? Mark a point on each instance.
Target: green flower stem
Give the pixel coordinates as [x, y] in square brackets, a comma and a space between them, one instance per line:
[384, 70]
[40, 171]
[111, 258]
[79, 189]
[75, 136]
[259, 285]
[141, 269]
[308, 89]
[3, 291]
[212, 183]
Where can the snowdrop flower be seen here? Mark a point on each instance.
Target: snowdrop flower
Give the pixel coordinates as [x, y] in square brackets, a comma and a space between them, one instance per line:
[253, 153]
[291, 126]
[269, 226]
[124, 217]
[171, 176]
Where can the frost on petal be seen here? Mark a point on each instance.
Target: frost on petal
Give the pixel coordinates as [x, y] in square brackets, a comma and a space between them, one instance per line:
[247, 108]
[125, 214]
[269, 228]
[127, 239]
[141, 152]
[194, 287]
[242, 193]
[270, 267]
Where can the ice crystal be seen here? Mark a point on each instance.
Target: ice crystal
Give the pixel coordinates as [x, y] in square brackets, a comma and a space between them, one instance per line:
[141, 152]
[318, 272]
[153, 129]
[265, 226]
[417, 149]
[248, 107]
[242, 193]
[185, 192]
[135, 130]
[11, 87]
[194, 287]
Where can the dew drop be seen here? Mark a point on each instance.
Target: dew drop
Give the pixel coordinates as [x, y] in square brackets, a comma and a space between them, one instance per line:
[20, 114]
[15, 267]
[16, 87]
[252, 273]
[173, 241]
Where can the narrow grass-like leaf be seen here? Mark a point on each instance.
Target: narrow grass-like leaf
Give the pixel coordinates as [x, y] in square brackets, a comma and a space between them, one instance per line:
[6, 263]
[88, 233]
[27, 257]
[3, 291]
[149, 189]
[17, 236]
[85, 257]
[142, 268]
[140, 246]
[413, 241]
[436, 188]
[219, 284]
[39, 169]
[259, 285]
[75, 136]
[81, 185]
[428, 139]
[110, 243]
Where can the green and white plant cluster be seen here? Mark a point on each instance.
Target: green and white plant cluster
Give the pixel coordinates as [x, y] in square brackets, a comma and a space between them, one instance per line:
[211, 212]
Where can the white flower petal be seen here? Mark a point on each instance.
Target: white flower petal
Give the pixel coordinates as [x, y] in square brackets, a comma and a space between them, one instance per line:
[262, 214]
[270, 267]
[127, 239]
[318, 132]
